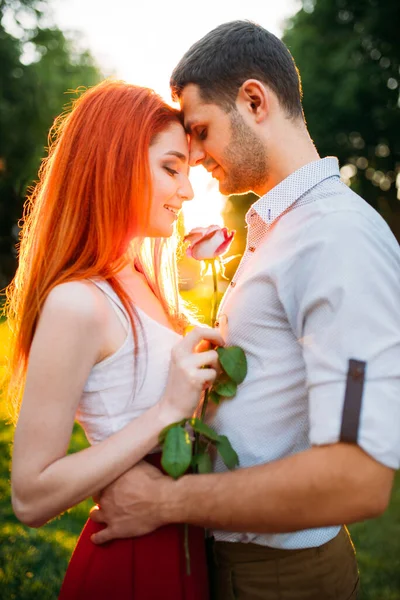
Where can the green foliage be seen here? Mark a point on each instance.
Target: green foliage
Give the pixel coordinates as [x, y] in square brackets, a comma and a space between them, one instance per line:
[227, 453]
[163, 433]
[33, 561]
[177, 451]
[234, 212]
[200, 427]
[224, 387]
[39, 64]
[233, 361]
[214, 397]
[202, 463]
[234, 364]
[177, 448]
[348, 54]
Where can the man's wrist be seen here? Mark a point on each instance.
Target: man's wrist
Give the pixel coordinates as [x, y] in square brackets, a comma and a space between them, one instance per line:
[174, 507]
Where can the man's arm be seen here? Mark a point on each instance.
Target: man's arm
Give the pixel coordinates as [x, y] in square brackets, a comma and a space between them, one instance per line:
[327, 485]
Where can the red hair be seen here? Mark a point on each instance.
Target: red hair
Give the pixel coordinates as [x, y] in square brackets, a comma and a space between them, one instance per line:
[95, 181]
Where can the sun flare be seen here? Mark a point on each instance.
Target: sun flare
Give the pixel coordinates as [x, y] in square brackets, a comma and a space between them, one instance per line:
[207, 205]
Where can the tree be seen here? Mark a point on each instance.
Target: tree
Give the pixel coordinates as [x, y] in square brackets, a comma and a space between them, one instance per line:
[39, 64]
[348, 54]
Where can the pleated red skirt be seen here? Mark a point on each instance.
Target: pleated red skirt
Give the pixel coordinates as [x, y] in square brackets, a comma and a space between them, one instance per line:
[150, 567]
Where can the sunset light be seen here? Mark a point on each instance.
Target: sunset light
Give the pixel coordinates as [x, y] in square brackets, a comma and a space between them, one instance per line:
[233, 356]
[207, 205]
[127, 47]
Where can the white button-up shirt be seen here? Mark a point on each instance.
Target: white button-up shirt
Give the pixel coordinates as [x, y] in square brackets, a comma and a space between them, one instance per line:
[318, 285]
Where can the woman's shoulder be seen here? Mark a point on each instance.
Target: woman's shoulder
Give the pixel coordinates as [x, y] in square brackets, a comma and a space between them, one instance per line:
[78, 300]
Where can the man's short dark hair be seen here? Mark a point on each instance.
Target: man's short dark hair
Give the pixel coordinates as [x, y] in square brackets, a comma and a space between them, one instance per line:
[223, 59]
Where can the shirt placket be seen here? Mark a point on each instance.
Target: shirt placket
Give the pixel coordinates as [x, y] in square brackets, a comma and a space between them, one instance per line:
[257, 229]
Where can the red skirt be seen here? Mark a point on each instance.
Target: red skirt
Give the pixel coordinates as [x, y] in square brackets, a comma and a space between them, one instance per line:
[150, 567]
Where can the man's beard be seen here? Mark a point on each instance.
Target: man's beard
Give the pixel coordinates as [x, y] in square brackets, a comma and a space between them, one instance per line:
[244, 160]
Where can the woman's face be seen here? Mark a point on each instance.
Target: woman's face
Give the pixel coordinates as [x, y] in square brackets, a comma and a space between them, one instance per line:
[169, 165]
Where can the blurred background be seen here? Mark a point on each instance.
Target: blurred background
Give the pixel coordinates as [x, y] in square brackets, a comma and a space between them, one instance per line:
[348, 54]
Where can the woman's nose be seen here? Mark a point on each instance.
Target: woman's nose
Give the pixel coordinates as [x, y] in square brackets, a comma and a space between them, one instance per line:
[186, 191]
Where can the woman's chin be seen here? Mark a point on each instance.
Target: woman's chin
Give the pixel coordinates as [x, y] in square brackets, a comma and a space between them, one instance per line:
[161, 232]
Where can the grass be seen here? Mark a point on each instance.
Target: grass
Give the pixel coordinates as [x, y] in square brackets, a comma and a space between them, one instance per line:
[33, 561]
[378, 552]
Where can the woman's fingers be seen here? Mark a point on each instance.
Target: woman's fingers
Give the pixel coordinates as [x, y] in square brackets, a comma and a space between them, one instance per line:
[204, 359]
[191, 371]
[198, 334]
[203, 346]
[206, 376]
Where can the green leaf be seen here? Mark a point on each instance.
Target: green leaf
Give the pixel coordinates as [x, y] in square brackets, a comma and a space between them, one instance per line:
[227, 453]
[163, 433]
[177, 452]
[200, 427]
[214, 397]
[225, 387]
[233, 361]
[202, 462]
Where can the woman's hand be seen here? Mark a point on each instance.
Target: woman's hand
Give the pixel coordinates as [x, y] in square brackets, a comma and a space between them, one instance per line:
[190, 371]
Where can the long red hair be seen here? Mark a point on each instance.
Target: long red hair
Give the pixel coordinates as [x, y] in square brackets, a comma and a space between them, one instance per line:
[94, 184]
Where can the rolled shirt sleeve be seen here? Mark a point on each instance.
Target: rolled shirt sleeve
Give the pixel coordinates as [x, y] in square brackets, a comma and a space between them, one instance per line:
[347, 298]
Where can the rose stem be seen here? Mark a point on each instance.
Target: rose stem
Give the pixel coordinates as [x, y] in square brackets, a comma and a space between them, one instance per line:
[215, 294]
[214, 308]
[187, 551]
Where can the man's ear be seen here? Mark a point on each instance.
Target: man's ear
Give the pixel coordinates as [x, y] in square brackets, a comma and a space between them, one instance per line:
[255, 98]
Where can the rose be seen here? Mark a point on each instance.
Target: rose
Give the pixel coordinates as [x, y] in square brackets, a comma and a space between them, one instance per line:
[207, 243]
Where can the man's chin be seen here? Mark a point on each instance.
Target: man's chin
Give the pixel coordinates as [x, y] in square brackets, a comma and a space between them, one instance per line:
[227, 188]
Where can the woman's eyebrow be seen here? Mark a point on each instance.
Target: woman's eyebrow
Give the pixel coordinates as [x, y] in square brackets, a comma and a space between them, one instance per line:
[179, 155]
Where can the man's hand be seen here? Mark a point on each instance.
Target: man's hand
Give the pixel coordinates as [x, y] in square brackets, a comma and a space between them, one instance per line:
[131, 505]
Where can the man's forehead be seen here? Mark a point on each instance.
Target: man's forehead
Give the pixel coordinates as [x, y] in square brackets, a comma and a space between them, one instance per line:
[191, 117]
[193, 107]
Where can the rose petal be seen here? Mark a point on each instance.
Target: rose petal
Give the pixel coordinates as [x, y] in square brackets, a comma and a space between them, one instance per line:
[207, 243]
[205, 249]
[200, 231]
[194, 238]
[224, 247]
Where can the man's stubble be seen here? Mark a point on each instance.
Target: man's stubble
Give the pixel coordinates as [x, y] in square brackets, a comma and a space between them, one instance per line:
[245, 159]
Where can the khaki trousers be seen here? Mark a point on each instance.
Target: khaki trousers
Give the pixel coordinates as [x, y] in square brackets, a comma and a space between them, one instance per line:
[253, 572]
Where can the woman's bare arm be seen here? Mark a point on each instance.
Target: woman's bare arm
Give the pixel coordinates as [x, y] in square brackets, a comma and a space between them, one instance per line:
[67, 343]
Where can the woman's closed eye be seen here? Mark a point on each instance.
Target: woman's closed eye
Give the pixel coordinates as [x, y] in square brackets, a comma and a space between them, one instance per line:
[171, 171]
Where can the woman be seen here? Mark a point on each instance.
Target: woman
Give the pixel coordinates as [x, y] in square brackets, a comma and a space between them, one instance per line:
[97, 333]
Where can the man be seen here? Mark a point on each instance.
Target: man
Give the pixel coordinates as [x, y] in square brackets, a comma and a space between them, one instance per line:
[314, 304]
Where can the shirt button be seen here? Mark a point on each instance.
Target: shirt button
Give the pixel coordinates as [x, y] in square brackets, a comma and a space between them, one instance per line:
[252, 249]
[233, 283]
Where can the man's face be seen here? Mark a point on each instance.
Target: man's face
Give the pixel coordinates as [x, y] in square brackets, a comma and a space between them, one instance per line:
[224, 144]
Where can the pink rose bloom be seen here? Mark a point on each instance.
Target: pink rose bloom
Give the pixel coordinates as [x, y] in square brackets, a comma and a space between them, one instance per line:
[206, 243]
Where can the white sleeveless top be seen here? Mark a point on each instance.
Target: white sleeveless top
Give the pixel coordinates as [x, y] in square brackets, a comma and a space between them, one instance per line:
[116, 391]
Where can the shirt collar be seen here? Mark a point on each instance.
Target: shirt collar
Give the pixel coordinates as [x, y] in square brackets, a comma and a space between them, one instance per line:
[275, 202]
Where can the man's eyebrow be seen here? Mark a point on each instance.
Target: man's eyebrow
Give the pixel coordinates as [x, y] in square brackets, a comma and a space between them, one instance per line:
[179, 155]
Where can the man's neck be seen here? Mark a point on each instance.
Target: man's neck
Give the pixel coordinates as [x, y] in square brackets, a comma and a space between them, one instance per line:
[292, 149]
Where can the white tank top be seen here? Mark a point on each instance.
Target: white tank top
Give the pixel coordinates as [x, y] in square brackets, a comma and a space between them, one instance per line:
[116, 392]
